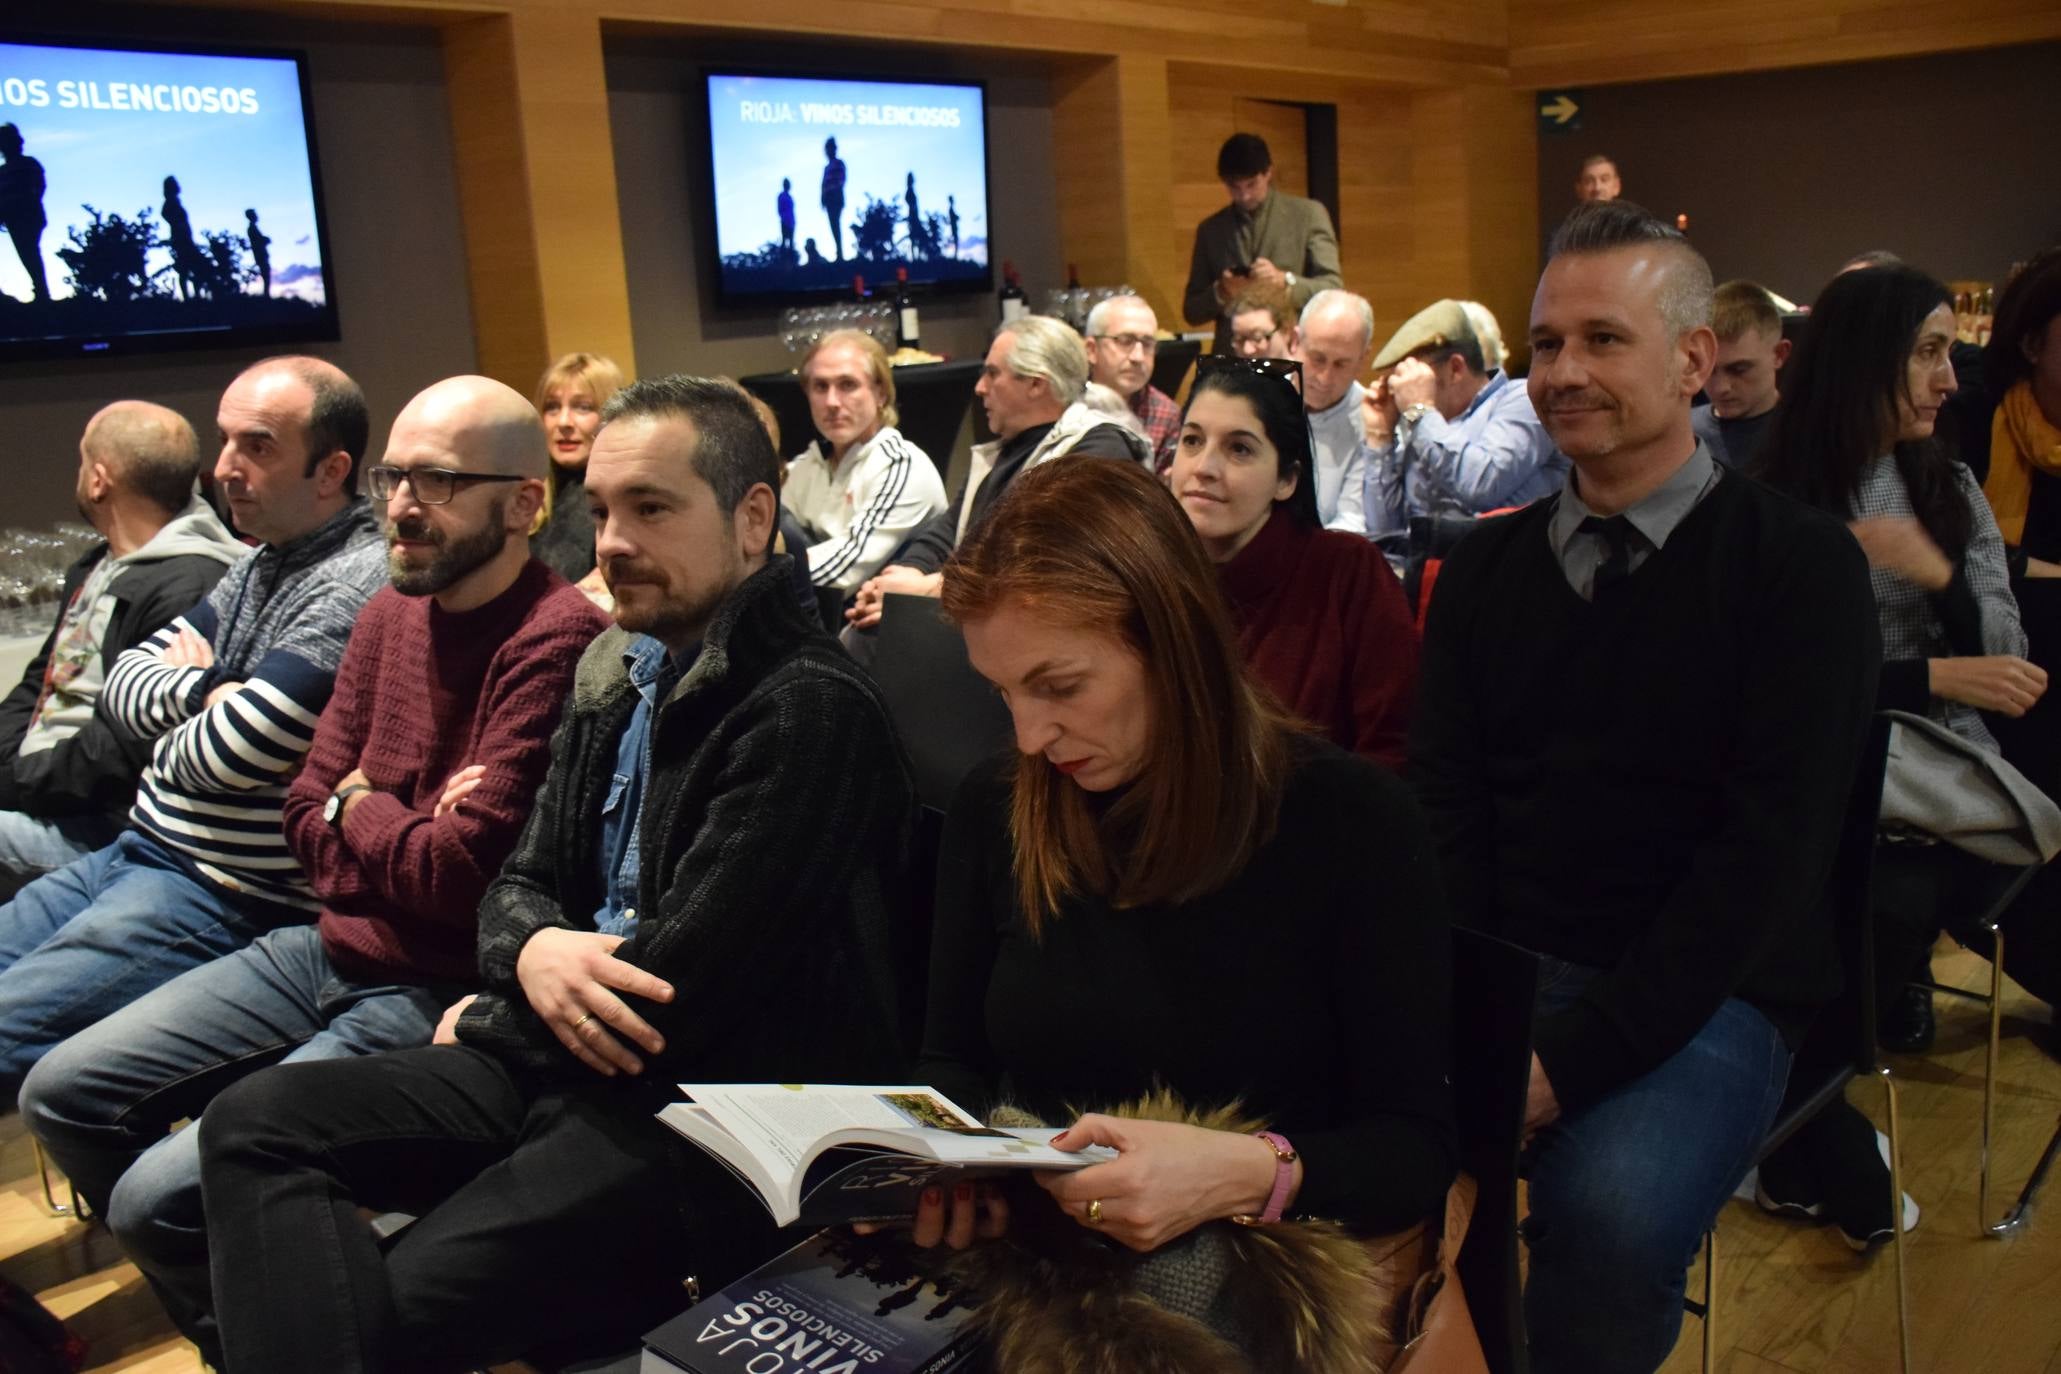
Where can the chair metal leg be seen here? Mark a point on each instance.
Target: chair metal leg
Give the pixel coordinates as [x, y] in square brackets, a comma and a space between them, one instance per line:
[57, 1209]
[1989, 1077]
[1709, 1299]
[1896, 1213]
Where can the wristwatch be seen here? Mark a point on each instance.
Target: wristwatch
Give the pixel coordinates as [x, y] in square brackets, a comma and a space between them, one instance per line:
[332, 810]
[1415, 413]
[1284, 1176]
[1290, 277]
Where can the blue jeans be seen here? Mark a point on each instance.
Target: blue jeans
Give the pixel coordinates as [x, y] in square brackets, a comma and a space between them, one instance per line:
[31, 846]
[102, 1101]
[1623, 1189]
[89, 939]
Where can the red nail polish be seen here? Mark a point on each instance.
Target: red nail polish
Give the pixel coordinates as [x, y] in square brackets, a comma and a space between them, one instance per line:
[964, 1192]
[932, 1196]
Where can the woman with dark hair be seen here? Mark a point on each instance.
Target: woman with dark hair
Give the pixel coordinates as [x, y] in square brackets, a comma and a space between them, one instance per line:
[1321, 619]
[1121, 908]
[2022, 370]
[1854, 436]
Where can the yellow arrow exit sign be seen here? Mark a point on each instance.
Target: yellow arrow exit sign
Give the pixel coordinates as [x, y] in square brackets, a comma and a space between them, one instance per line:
[1560, 111]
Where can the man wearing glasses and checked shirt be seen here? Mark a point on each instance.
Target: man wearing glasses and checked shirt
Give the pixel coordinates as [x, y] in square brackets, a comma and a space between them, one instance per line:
[1123, 341]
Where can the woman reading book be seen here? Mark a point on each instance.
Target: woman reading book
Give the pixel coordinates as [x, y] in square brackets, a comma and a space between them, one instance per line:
[1173, 891]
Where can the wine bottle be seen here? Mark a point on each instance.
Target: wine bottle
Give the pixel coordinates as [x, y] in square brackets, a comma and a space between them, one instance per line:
[908, 329]
[859, 286]
[1073, 277]
[1015, 305]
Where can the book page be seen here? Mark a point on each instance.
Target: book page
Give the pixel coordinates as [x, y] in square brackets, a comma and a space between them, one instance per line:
[785, 1121]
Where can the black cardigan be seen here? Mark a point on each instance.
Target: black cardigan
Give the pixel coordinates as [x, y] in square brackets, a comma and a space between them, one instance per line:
[1653, 787]
[1313, 988]
[95, 770]
[776, 824]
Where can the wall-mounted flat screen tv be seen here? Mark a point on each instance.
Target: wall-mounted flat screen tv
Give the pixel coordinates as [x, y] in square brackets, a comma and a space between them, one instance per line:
[816, 180]
[156, 198]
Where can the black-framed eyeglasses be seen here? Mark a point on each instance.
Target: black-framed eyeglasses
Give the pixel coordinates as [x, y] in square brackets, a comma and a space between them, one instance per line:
[1287, 369]
[432, 486]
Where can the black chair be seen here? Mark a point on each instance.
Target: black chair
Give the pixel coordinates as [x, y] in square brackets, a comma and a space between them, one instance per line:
[1854, 1011]
[1431, 538]
[950, 719]
[1495, 984]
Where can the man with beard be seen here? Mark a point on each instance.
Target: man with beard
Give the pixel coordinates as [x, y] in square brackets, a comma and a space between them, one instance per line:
[414, 791]
[703, 893]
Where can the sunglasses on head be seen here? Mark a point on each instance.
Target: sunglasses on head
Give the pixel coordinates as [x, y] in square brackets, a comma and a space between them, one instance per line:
[1285, 369]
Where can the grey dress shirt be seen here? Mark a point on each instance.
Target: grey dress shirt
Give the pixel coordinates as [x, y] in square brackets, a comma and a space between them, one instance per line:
[1655, 517]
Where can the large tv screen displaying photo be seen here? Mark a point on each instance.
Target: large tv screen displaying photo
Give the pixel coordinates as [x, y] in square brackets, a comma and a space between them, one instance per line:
[816, 180]
[155, 198]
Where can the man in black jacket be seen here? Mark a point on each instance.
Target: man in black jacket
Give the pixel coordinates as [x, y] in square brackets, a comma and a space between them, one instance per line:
[703, 892]
[68, 771]
[1641, 706]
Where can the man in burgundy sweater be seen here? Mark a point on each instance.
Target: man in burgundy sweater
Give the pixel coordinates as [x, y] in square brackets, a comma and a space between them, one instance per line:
[419, 780]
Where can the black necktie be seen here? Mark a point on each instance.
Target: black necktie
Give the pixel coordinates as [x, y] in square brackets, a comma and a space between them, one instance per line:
[1616, 531]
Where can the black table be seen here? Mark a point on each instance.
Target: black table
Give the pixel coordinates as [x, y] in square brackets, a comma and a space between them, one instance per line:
[931, 397]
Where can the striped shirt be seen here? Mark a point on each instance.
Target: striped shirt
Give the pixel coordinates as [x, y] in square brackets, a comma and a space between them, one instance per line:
[277, 622]
[861, 509]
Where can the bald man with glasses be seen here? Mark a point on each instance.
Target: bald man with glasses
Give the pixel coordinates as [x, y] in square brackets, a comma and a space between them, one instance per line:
[1123, 344]
[423, 769]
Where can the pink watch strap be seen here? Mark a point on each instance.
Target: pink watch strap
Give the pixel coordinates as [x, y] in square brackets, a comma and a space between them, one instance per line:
[1284, 1178]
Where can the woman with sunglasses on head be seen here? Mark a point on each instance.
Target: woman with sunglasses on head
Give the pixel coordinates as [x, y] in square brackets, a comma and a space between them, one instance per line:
[1165, 891]
[1320, 617]
[1855, 437]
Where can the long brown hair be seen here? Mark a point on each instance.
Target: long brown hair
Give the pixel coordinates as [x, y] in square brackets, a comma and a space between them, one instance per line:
[1099, 545]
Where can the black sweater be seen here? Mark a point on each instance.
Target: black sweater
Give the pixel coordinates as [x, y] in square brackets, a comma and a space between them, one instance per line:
[1313, 988]
[1652, 787]
[775, 828]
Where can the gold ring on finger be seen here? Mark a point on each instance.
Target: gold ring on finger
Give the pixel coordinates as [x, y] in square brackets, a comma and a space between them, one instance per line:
[1095, 1212]
[583, 1020]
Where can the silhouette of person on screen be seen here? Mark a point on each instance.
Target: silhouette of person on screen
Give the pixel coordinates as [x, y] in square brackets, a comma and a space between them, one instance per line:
[833, 195]
[21, 207]
[260, 244]
[785, 206]
[811, 254]
[186, 263]
[915, 219]
[952, 218]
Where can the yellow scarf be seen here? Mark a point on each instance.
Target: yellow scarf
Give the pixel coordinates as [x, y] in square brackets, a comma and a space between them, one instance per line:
[2021, 442]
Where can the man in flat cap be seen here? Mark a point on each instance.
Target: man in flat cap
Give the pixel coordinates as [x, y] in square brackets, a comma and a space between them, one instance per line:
[1449, 433]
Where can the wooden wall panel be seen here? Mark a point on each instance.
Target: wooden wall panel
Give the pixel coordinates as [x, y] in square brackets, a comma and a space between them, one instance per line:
[1595, 42]
[537, 191]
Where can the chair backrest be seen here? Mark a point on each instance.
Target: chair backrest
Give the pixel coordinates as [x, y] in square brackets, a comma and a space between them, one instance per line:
[949, 718]
[1495, 985]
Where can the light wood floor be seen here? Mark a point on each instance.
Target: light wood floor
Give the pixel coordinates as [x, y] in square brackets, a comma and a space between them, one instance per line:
[1791, 1299]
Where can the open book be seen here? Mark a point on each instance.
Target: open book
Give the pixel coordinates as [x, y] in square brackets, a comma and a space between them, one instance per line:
[825, 1154]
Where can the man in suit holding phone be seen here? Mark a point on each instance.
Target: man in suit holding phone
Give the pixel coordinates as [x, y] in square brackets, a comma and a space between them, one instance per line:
[1263, 237]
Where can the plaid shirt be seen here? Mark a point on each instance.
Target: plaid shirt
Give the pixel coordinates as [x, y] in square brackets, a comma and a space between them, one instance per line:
[1162, 420]
[1911, 624]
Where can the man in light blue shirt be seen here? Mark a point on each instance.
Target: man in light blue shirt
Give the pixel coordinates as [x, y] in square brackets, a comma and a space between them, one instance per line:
[1332, 340]
[1447, 435]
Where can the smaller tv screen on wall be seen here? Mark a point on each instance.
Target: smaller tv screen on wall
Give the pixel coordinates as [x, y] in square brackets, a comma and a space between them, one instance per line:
[153, 198]
[817, 180]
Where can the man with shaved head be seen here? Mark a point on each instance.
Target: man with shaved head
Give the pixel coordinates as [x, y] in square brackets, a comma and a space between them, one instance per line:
[225, 700]
[1642, 703]
[418, 782]
[1333, 340]
[67, 774]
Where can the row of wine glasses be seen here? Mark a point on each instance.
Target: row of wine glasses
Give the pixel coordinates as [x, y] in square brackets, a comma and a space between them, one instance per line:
[32, 568]
[801, 327]
[1072, 303]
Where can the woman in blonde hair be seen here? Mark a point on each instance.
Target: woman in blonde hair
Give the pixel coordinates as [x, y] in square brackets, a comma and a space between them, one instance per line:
[1165, 894]
[569, 399]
